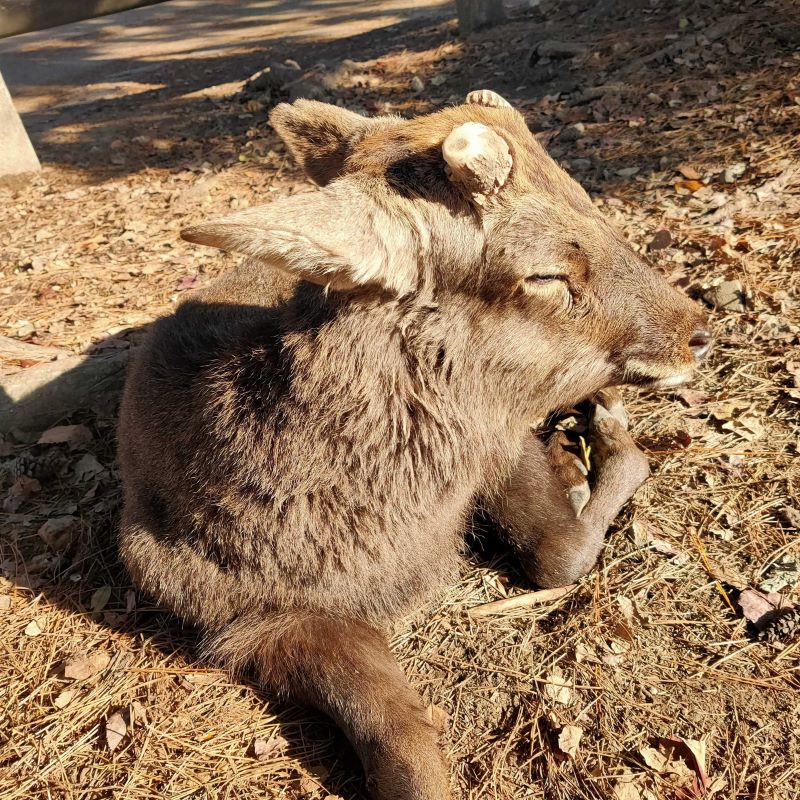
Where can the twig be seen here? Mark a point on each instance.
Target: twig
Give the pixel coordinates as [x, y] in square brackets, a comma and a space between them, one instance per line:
[520, 601]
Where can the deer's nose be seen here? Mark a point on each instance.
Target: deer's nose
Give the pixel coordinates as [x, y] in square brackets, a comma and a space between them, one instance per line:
[700, 343]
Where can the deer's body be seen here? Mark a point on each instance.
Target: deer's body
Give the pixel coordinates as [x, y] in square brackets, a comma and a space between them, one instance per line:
[303, 442]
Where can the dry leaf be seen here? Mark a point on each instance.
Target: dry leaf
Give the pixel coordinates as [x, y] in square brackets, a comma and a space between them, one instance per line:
[88, 467]
[654, 759]
[569, 739]
[264, 749]
[689, 172]
[137, 713]
[116, 729]
[692, 397]
[5, 602]
[19, 492]
[689, 186]
[686, 763]
[437, 717]
[781, 574]
[58, 532]
[758, 607]
[64, 698]
[73, 435]
[748, 428]
[100, 598]
[201, 678]
[558, 688]
[81, 667]
[626, 789]
[35, 627]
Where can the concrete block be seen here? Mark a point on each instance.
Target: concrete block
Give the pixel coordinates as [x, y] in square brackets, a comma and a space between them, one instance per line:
[17, 156]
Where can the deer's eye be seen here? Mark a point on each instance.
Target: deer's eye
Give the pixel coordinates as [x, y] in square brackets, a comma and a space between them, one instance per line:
[538, 280]
[549, 287]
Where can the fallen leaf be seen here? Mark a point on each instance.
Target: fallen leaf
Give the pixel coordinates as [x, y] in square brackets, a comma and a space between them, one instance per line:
[137, 713]
[58, 532]
[686, 763]
[64, 698]
[74, 435]
[626, 789]
[264, 749]
[692, 397]
[437, 717]
[790, 517]
[746, 427]
[116, 729]
[35, 627]
[558, 688]
[80, 668]
[689, 172]
[87, 468]
[654, 758]
[783, 573]
[689, 186]
[22, 489]
[569, 739]
[5, 602]
[100, 598]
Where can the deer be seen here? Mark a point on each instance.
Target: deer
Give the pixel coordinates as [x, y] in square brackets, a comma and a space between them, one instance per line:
[303, 442]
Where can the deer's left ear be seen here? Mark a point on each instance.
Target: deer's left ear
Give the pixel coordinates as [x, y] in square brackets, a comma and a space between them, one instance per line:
[321, 136]
[479, 159]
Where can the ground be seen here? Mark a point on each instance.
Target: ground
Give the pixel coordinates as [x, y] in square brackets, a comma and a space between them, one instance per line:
[682, 119]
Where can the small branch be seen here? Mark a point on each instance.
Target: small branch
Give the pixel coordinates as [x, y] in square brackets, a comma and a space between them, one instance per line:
[520, 601]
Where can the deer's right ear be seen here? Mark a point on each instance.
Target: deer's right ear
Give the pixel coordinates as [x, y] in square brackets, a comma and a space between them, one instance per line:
[319, 135]
[338, 236]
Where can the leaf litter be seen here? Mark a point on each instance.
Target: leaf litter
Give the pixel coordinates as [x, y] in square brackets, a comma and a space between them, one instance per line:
[684, 138]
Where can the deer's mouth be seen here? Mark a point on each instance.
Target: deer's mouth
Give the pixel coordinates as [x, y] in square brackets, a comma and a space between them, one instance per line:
[654, 376]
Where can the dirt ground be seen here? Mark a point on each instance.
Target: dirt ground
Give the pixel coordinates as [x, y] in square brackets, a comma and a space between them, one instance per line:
[649, 680]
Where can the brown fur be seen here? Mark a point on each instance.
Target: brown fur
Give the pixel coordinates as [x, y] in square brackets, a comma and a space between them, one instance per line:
[303, 441]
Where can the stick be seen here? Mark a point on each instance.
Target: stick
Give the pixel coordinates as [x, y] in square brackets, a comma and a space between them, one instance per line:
[521, 601]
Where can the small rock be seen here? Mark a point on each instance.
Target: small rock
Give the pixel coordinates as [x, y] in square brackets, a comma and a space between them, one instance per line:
[116, 730]
[64, 698]
[733, 172]
[417, 84]
[80, 668]
[627, 172]
[272, 77]
[728, 296]
[57, 533]
[438, 80]
[660, 241]
[572, 133]
[554, 49]
[306, 89]
[581, 164]
[35, 627]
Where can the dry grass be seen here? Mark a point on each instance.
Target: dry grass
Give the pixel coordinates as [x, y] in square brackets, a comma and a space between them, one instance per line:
[651, 644]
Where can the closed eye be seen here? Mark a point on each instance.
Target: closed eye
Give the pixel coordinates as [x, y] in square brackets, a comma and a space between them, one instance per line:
[541, 279]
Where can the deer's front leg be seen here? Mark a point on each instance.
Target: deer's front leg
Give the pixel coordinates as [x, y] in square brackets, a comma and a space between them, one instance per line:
[553, 520]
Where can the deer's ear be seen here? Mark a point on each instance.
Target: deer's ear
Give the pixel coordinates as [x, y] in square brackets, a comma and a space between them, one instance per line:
[337, 237]
[321, 136]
